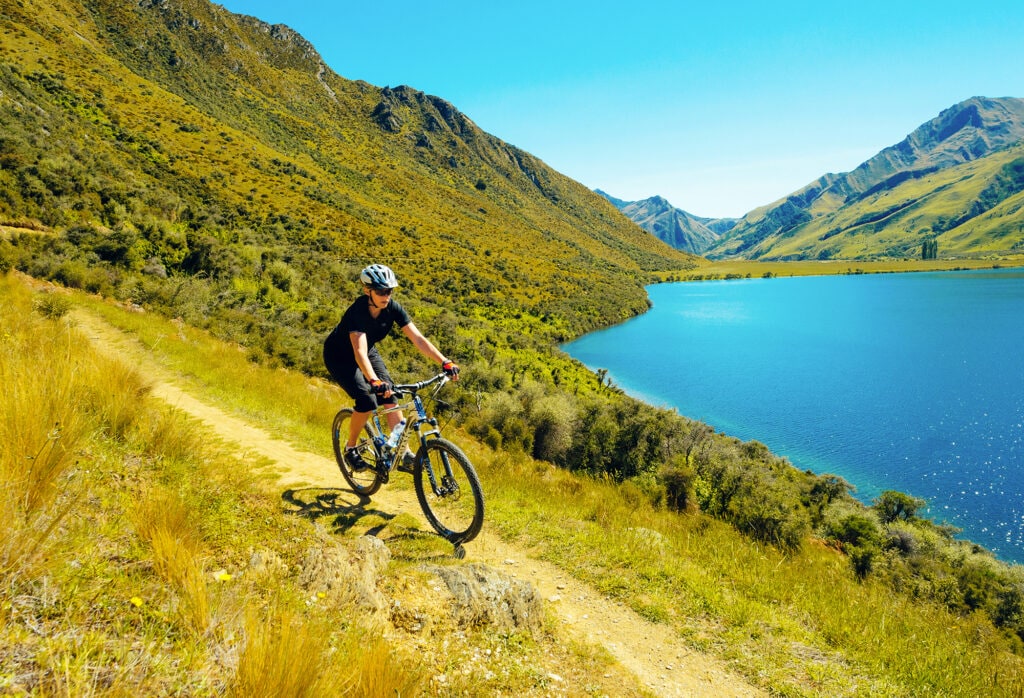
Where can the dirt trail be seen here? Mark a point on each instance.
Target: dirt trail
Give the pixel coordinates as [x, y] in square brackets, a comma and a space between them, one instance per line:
[652, 652]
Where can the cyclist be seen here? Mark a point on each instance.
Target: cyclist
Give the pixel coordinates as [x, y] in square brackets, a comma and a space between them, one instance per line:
[351, 355]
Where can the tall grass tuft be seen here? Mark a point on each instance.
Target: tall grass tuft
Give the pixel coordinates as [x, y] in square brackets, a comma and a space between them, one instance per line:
[377, 671]
[164, 521]
[285, 657]
[40, 430]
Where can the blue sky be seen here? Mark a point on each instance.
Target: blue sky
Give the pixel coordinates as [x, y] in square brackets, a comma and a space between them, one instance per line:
[718, 107]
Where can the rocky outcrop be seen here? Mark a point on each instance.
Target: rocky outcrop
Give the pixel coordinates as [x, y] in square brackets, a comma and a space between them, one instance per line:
[482, 596]
[346, 575]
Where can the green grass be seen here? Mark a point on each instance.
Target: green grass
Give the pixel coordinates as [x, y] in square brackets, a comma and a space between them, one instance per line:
[798, 624]
[801, 623]
[138, 556]
[725, 269]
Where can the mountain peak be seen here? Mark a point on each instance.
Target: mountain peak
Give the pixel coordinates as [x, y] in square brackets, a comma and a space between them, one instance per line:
[971, 128]
[670, 224]
[974, 129]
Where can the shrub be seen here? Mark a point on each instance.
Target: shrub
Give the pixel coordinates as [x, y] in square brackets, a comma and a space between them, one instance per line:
[52, 305]
[854, 529]
[553, 419]
[892, 505]
[678, 478]
[7, 257]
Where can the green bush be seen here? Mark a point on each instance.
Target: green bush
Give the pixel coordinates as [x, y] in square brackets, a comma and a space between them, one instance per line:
[678, 478]
[851, 528]
[52, 305]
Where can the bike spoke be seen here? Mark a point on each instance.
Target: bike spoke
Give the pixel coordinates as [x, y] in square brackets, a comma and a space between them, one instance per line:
[452, 499]
[366, 481]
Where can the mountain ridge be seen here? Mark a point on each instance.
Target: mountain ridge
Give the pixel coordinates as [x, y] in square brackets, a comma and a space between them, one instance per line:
[975, 129]
[201, 122]
[833, 208]
[674, 226]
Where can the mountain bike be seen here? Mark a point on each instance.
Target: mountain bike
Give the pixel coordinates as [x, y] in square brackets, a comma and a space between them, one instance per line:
[446, 483]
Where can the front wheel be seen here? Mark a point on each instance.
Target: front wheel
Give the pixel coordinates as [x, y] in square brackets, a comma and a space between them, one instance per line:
[364, 482]
[449, 491]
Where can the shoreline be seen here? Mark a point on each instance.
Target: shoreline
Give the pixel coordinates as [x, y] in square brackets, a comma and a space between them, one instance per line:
[736, 269]
[799, 269]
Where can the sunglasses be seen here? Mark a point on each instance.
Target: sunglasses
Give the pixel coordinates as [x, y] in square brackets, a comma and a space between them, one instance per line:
[382, 291]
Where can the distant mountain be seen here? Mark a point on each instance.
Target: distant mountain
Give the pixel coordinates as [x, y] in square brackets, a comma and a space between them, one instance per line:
[957, 179]
[672, 225]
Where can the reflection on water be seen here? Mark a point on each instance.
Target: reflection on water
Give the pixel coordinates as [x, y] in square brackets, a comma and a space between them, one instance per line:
[893, 381]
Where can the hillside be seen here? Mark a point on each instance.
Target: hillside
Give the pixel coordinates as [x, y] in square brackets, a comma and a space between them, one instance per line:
[176, 140]
[193, 175]
[672, 225]
[188, 535]
[955, 180]
[642, 647]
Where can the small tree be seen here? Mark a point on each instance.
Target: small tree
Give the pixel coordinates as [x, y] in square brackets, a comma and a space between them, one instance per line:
[892, 506]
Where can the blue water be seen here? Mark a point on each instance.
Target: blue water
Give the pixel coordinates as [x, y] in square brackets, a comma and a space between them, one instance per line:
[911, 382]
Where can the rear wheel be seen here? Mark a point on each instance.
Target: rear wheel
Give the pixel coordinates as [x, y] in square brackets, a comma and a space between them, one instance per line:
[364, 482]
[454, 502]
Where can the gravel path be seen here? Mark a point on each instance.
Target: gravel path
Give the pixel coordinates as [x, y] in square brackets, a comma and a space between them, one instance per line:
[652, 652]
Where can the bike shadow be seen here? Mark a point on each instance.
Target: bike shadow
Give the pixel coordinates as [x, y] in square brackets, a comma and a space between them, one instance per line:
[346, 511]
[345, 506]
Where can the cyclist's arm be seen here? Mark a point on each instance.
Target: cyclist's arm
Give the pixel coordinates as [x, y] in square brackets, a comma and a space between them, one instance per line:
[423, 344]
[359, 348]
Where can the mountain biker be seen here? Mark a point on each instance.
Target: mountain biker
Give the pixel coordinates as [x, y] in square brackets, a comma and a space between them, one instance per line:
[351, 355]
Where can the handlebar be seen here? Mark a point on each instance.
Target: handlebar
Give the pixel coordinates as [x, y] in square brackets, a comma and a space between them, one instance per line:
[413, 388]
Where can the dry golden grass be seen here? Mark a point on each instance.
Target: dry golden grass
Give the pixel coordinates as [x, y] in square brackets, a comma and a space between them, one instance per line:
[163, 521]
[40, 431]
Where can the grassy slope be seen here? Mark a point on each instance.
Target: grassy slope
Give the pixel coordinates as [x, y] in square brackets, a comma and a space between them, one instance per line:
[894, 223]
[897, 221]
[255, 131]
[798, 624]
[141, 556]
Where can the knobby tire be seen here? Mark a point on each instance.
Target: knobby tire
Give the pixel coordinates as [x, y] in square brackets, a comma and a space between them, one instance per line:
[457, 515]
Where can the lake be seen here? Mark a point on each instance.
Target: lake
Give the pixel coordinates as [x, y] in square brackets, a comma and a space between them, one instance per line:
[911, 382]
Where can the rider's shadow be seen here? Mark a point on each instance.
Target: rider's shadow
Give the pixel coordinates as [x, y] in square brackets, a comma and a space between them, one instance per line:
[346, 507]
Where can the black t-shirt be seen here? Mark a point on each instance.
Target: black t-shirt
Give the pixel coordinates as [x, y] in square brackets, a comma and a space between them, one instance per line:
[338, 345]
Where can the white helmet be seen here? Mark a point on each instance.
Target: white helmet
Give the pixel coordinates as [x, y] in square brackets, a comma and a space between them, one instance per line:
[378, 276]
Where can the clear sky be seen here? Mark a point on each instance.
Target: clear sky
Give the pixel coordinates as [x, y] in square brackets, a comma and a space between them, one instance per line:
[720, 107]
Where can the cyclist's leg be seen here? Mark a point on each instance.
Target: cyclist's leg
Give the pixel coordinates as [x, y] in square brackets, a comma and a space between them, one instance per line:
[381, 370]
[352, 381]
[356, 425]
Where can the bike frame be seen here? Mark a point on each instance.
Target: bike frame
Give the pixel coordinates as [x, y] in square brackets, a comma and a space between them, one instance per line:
[389, 455]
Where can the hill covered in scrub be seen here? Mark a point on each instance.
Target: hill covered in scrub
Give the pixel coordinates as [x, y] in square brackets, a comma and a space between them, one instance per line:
[171, 141]
[207, 171]
[955, 182]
